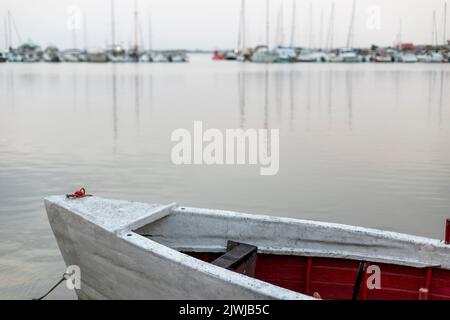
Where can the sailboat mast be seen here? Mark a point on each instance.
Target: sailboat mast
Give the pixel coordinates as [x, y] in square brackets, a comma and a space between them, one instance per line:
[150, 39]
[294, 22]
[280, 36]
[310, 25]
[330, 36]
[85, 31]
[351, 29]
[241, 28]
[113, 23]
[321, 30]
[445, 25]
[434, 32]
[5, 24]
[11, 24]
[74, 38]
[10, 30]
[399, 36]
[267, 22]
[136, 27]
[244, 40]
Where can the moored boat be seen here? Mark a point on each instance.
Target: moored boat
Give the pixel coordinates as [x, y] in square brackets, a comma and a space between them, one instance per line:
[129, 250]
[3, 57]
[52, 54]
[178, 57]
[408, 57]
[117, 54]
[346, 55]
[383, 59]
[219, 55]
[433, 57]
[285, 55]
[30, 52]
[14, 56]
[72, 55]
[231, 55]
[97, 56]
[262, 54]
[134, 54]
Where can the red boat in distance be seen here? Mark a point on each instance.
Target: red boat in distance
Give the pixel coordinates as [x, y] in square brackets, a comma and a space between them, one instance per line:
[219, 55]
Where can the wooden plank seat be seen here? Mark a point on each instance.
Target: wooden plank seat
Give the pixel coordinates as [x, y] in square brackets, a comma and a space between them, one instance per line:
[240, 257]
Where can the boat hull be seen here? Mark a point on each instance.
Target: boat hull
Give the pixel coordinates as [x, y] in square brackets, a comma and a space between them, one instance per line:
[116, 263]
[131, 250]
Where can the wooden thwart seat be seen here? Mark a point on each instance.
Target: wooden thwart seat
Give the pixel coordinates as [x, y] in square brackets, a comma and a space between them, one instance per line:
[240, 257]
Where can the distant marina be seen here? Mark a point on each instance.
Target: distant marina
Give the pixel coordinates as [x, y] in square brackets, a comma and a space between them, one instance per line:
[278, 52]
[401, 52]
[29, 52]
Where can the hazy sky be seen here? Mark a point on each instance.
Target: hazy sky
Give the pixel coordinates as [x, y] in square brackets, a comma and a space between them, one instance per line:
[209, 24]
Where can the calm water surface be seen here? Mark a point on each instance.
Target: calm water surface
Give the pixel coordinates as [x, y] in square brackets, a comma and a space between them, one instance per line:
[360, 144]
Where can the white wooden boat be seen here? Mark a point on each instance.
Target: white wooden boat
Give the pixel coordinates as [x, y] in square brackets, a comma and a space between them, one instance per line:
[129, 250]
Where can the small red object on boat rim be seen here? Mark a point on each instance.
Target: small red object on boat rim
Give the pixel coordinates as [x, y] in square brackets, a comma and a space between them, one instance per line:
[78, 194]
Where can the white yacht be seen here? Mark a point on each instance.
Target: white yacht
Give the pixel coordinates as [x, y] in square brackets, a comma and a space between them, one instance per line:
[262, 54]
[285, 55]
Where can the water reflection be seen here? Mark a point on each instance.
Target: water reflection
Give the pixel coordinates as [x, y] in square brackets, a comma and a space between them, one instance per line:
[74, 89]
[49, 146]
[114, 106]
[86, 81]
[242, 97]
[291, 99]
[330, 99]
[150, 92]
[436, 93]
[349, 86]
[266, 97]
[11, 89]
[431, 82]
[279, 93]
[441, 97]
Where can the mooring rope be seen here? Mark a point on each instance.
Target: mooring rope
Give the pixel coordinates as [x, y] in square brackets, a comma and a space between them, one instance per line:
[64, 277]
[78, 194]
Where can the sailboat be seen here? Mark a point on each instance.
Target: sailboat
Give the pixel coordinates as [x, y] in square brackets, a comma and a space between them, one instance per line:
[149, 55]
[14, 54]
[432, 56]
[117, 53]
[262, 53]
[283, 54]
[348, 54]
[243, 53]
[134, 53]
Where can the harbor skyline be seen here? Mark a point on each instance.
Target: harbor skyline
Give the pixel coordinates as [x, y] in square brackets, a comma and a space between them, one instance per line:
[208, 25]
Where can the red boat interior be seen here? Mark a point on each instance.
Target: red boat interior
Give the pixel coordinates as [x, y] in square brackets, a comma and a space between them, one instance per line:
[330, 278]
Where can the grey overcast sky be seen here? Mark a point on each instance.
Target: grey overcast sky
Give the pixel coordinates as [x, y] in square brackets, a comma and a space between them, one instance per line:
[213, 24]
